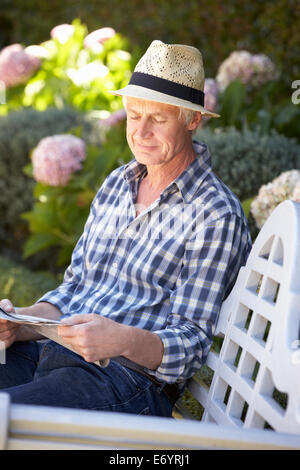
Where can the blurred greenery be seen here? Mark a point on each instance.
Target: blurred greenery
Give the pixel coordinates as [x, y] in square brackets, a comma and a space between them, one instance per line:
[22, 286]
[59, 213]
[215, 27]
[74, 76]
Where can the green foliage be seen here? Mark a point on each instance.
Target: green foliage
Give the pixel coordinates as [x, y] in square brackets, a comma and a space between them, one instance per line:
[258, 109]
[59, 213]
[74, 76]
[19, 132]
[246, 159]
[22, 286]
[216, 28]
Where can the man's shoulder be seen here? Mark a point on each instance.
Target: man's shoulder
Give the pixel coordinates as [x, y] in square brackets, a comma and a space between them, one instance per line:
[218, 199]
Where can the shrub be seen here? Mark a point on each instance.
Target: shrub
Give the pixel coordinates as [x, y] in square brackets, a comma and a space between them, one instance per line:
[245, 160]
[19, 132]
[22, 286]
[76, 70]
[285, 186]
[59, 213]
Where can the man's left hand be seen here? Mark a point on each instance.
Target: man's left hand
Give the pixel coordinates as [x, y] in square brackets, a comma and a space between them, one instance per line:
[94, 337]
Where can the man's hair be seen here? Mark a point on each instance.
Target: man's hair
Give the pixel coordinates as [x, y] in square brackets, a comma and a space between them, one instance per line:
[184, 113]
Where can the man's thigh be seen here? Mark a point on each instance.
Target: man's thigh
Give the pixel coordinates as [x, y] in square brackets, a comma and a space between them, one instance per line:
[64, 379]
[20, 363]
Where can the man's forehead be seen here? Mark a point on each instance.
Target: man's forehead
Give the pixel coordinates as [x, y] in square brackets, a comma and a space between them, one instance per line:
[153, 107]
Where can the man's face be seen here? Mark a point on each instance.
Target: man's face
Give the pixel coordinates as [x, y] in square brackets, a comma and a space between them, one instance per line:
[155, 133]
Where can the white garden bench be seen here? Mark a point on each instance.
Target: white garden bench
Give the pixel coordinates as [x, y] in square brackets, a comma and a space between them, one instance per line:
[259, 360]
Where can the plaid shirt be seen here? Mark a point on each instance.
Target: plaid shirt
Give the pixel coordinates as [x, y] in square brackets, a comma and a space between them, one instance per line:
[166, 270]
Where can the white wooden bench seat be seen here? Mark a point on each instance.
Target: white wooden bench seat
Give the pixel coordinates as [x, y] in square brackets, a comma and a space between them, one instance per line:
[253, 401]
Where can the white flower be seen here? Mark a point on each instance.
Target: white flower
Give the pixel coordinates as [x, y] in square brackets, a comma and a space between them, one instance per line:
[285, 186]
[87, 73]
[62, 32]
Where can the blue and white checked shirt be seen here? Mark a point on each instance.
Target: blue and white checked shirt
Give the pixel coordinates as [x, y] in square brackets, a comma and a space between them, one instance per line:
[166, 270]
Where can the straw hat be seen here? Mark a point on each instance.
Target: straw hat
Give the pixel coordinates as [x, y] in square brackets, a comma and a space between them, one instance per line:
[169, 73]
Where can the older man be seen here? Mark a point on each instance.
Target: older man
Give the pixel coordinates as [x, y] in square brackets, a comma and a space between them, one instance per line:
[160, 251]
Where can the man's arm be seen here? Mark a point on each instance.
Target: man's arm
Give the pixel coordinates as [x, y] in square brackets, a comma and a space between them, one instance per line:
[10, 331]
[95, 338]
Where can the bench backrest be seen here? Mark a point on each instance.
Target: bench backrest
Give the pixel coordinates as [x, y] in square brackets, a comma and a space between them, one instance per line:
[259, 323]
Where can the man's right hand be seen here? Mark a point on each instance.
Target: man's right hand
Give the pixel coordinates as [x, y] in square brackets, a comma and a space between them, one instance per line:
[8, 329]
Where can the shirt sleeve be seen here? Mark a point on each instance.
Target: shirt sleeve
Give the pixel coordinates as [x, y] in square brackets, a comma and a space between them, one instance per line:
[210, 267]
[62, 295]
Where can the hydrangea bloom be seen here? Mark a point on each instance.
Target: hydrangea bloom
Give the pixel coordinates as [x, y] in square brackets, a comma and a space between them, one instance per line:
[95, 39]
[62, 32]
[113, 119]
[254, 69]
[56, 158]
[285, 186]
[87, 73]
[16, 65]
[211, 93]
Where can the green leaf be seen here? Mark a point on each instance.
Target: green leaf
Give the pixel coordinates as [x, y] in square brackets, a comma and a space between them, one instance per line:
[38, 242]
[232, 102]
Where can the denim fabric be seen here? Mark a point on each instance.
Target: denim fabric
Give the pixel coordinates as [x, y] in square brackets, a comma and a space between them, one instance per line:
[51, 375]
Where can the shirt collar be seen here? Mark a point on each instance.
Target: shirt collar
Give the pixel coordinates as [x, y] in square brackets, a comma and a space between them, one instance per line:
[188, 182]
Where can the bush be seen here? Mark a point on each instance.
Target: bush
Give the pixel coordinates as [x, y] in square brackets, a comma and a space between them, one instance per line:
[22, 286]
[19, 133]
[245, 160]
[59, 213]
[74, 71]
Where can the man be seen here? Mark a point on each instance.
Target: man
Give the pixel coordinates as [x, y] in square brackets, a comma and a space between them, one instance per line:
[160, 251]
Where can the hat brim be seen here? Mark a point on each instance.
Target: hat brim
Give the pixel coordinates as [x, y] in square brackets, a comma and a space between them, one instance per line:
[136, 91]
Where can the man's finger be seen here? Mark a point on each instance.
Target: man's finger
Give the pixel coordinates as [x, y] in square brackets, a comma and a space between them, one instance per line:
[76, 319]
[6, 305]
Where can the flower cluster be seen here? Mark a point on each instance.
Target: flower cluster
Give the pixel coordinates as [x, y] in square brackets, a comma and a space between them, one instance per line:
[95, 39]
[16, 65]
[62, 32]
[56, 158]
[254, 69]
[285, 186]
[113, 119]
[211, 93]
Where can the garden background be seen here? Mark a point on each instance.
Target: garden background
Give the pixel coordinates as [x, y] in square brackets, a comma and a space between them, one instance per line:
[60, 87]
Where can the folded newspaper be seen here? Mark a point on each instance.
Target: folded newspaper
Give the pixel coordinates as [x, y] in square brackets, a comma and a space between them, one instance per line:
[43, 326]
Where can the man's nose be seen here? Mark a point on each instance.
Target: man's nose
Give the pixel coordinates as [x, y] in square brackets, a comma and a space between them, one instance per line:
[144, 129]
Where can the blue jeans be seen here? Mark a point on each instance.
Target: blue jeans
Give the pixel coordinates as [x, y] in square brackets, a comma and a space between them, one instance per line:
[51, 375]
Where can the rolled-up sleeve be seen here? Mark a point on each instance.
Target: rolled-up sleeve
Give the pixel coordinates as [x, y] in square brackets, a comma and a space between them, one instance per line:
[210, 266]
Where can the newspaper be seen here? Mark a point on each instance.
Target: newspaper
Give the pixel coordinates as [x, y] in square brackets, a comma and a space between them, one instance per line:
[43, 326]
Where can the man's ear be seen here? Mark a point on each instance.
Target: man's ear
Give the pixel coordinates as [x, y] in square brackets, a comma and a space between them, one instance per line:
[195, 121]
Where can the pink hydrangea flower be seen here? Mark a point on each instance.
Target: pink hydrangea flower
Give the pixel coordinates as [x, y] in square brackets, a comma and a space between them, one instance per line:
[62, 32]
[16, 65]
[56, 157]
[254, 69]
[285, 186]
[211, 93]
[95, 39]
[113, 119]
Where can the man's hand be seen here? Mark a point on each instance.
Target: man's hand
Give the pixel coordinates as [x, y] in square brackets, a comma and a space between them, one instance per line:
[93, 337]
[8, 329]
[96, 338]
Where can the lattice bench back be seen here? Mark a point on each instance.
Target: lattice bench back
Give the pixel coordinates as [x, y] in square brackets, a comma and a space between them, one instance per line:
[259, 323]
